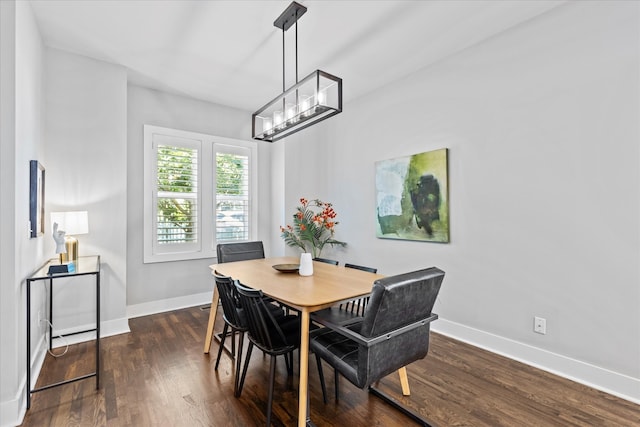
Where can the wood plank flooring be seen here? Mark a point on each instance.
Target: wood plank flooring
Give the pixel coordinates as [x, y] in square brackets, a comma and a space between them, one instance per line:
[158, 376]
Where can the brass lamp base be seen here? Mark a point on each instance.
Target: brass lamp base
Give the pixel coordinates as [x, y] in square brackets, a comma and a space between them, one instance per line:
[71, 243]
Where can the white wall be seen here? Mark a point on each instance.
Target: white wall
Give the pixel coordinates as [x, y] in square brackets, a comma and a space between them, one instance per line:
[158, 286]
[10, 371]
[307, 169]
[86, 150]
[21, 61]
[29, 146]
[542, 127]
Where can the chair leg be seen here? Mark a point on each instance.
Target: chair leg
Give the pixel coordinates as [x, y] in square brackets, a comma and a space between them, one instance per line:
[336, 380]
[321, 375]
[246, 365]
[272, 377]
[233, 342]
[404, 381]
[238, 364]
[222, 338]
[287, 356]
[290, 365]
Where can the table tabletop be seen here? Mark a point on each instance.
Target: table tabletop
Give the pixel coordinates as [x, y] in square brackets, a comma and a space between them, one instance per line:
[328, 285]
[83, 265]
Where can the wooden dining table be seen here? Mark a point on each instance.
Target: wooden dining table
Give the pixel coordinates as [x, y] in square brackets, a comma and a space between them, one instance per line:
[328, 285]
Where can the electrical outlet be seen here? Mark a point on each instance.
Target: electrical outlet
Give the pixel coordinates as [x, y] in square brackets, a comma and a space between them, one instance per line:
[42, 319]
[540, 325]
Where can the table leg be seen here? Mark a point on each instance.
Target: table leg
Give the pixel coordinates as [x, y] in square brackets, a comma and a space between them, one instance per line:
[404, 381]
[303, 415]
[98, 331]
[212, 320]
[28, 344]
[50, 319]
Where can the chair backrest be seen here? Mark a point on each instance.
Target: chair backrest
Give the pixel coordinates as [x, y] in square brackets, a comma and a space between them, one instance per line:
[231, 308]
[326, 261]
[361, 267]
[395, 302]
[229, 252]
[263, 329]
[359, 305]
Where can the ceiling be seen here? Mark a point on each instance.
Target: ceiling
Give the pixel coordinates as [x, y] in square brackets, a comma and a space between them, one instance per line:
[229, 52]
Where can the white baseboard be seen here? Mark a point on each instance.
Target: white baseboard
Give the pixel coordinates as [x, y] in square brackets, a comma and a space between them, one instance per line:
[12, 411]
[614, 383]
[170, 304]
[107, 328]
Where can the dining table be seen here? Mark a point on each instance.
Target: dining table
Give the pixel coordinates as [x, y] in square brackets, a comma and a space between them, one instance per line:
[327, 286]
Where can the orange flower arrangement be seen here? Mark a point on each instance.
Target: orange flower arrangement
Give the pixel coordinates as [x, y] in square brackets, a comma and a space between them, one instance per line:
[312, 228]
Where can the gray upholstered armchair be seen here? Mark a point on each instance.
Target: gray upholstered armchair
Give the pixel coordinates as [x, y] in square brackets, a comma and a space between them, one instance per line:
[393, 333]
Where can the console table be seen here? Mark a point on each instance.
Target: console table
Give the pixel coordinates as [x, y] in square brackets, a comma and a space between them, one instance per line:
[84, 266]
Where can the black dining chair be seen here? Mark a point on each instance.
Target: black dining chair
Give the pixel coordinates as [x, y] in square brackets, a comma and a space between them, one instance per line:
[361, 267]
[273, 335]
[350, 311]
[326, 261]
[229, 252]
[241, 251]
[358, 306]
[234, 318]
[393, 333]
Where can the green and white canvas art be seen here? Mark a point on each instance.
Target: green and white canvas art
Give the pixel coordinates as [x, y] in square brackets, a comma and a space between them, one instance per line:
[412, 197]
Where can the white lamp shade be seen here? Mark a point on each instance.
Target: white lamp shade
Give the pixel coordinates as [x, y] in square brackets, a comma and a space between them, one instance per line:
[72, 223]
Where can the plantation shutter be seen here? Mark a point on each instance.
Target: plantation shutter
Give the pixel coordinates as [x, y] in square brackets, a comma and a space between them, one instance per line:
[232, 193]
[177, 201]
[176, 186]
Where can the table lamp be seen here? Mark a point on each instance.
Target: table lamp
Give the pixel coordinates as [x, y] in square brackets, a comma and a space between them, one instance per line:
[73, 224]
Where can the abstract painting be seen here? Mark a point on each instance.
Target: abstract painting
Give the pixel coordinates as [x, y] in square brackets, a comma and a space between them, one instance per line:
[412, 197]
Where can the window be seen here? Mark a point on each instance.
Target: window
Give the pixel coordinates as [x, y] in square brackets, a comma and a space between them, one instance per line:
[232, 194]
[176, 194]
[199, 191]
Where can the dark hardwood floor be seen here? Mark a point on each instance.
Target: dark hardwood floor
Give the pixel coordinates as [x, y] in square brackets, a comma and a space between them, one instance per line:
[158, 376]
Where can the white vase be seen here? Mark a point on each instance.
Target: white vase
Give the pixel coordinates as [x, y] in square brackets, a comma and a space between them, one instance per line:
[306, 264]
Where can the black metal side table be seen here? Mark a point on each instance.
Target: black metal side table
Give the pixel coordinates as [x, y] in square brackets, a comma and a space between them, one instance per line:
[87, 265]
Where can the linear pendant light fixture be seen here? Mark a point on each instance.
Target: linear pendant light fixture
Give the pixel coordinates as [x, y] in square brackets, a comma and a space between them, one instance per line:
[311, 100]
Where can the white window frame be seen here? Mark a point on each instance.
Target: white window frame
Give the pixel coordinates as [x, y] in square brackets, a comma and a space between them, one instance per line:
[205, 247]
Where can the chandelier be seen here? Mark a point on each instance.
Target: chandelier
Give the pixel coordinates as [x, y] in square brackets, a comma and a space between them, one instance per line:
[311, 100]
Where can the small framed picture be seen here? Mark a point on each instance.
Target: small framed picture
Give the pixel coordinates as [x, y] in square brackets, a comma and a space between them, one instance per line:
[36, 198]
